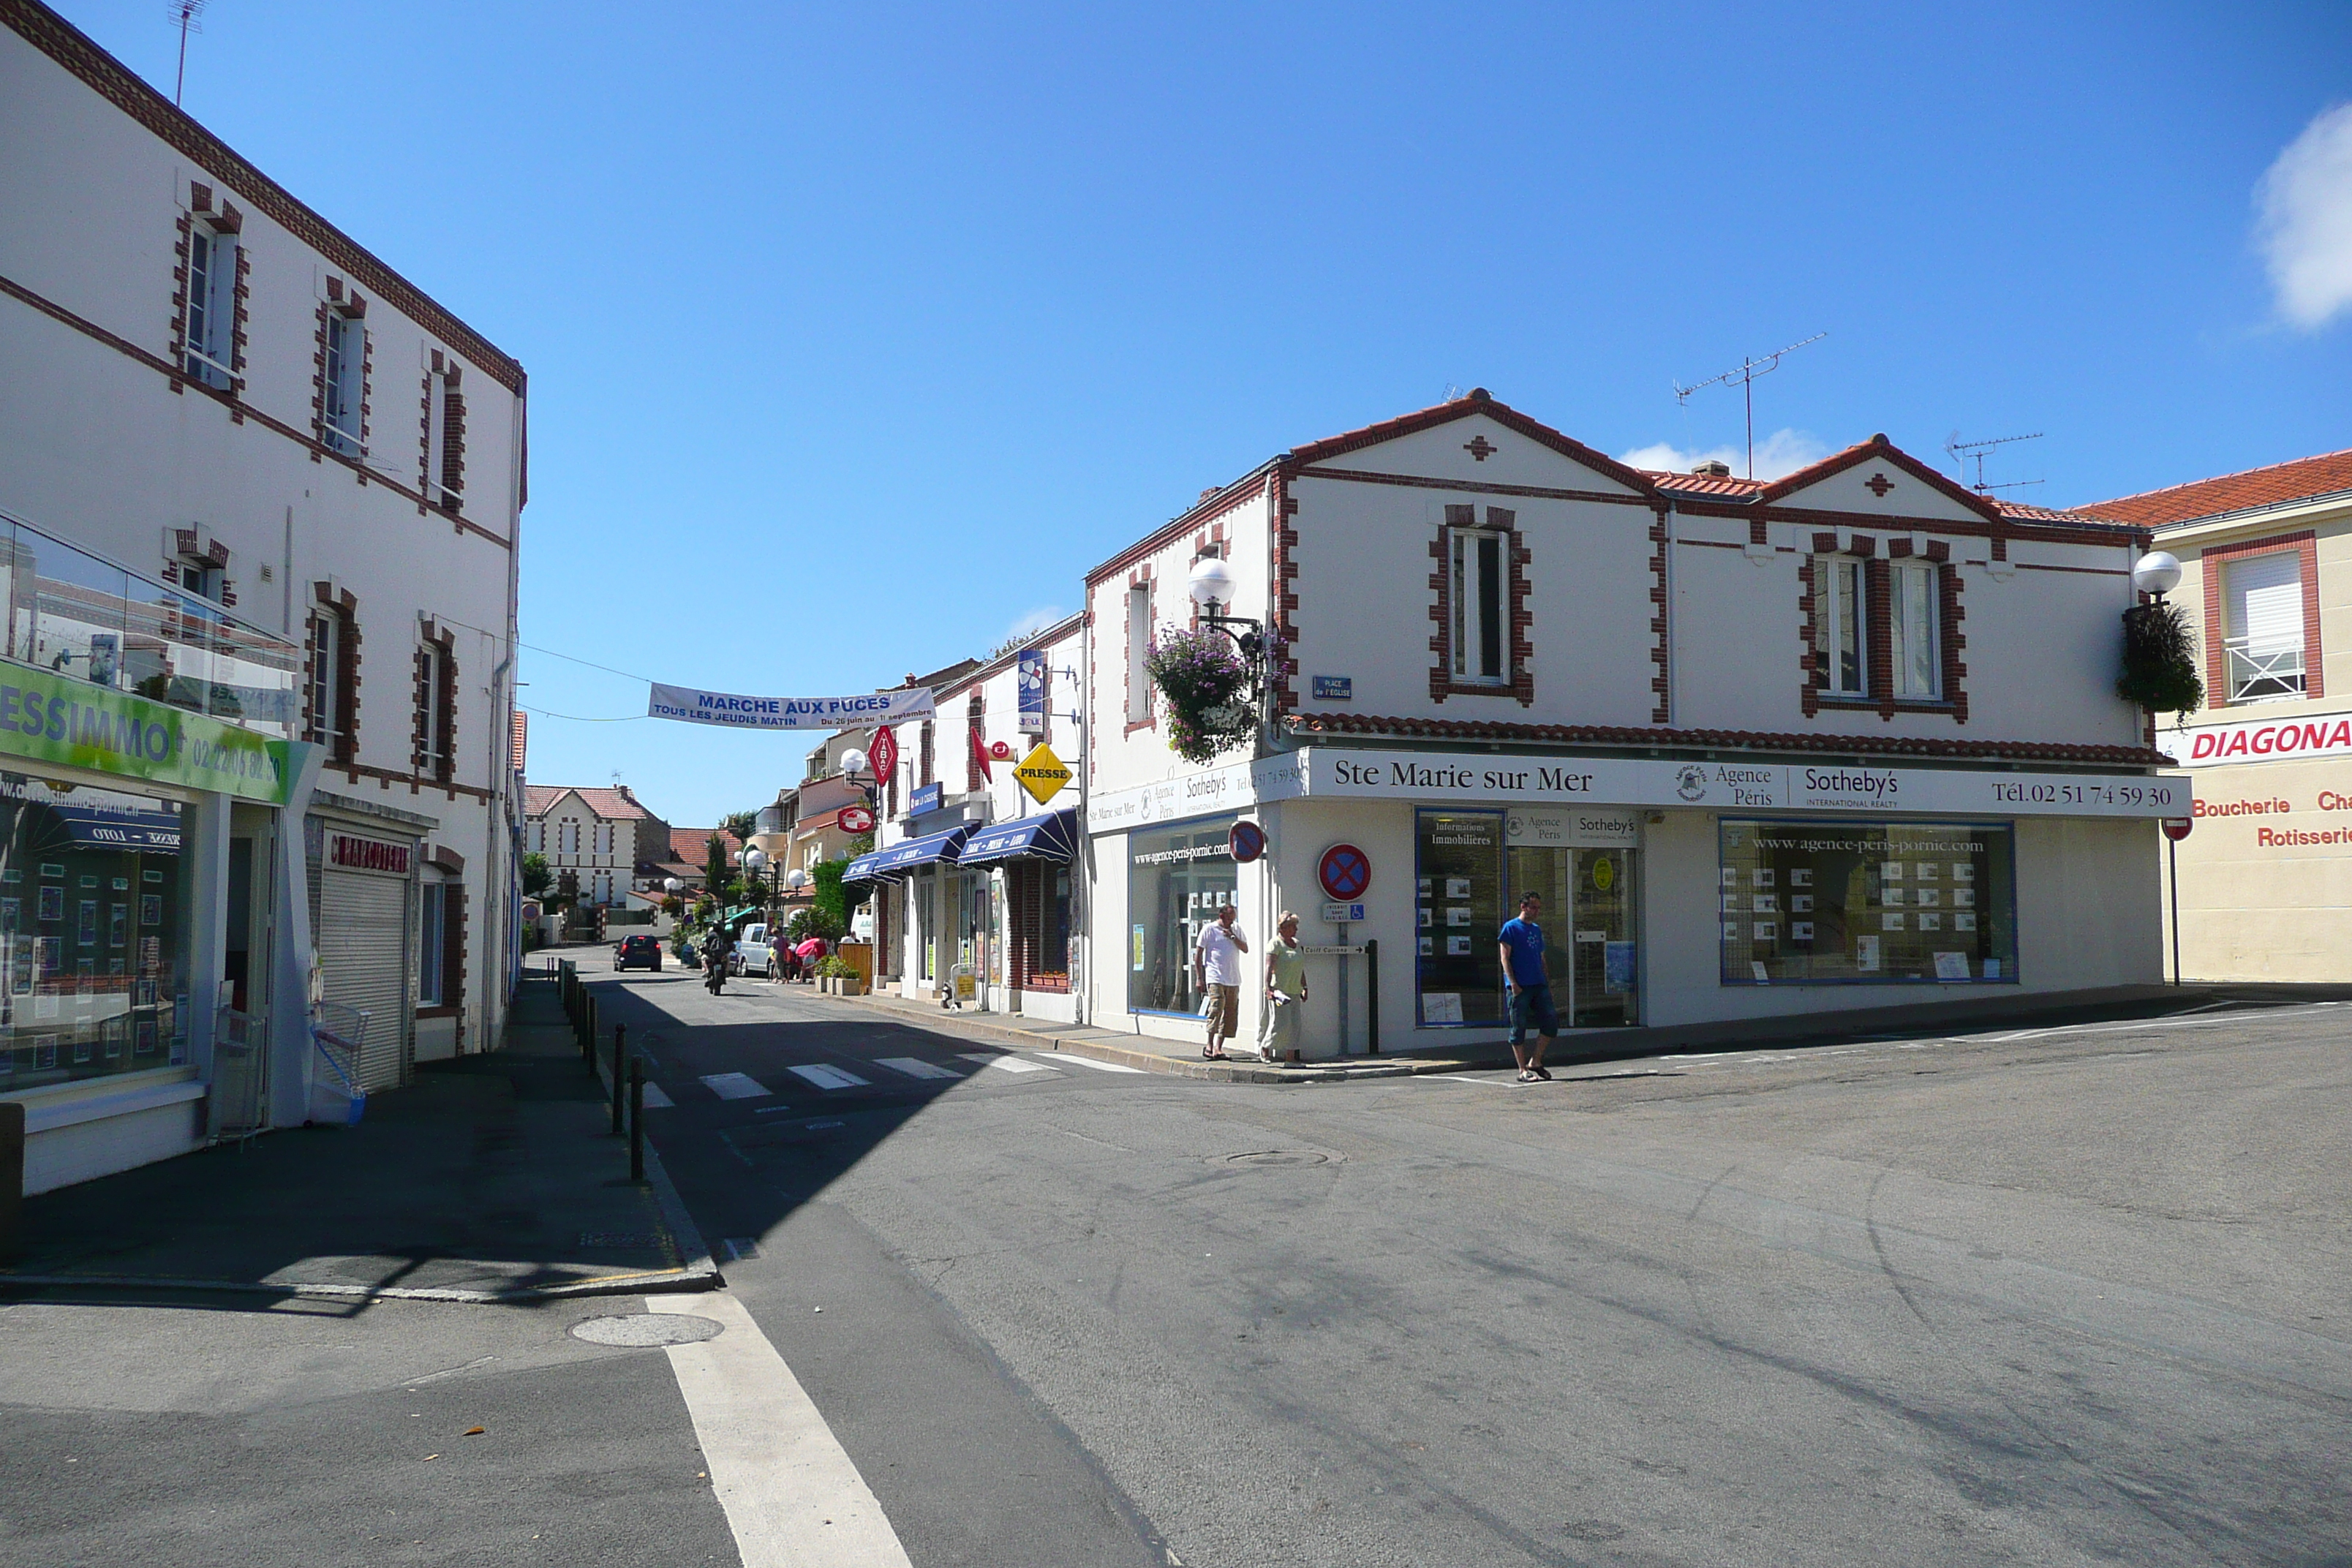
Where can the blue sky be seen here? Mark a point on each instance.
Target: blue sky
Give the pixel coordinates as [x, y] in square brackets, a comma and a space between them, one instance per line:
[856, 333]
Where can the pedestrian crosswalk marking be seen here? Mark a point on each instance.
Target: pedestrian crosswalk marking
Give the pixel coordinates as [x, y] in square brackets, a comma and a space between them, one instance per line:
[825, 1077]
[1010, 1064]
[735, 1086]
[1076, 1060]
[915, 1067]
[656, 1099]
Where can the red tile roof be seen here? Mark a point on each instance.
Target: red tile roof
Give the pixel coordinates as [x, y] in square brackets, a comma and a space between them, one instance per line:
[611, 804]
[692, 845]
[2274, 485]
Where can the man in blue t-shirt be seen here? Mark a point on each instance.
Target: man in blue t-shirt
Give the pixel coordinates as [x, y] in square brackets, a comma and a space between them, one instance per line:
[1528, 985]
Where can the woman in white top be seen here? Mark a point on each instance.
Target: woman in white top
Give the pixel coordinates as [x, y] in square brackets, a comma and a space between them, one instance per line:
[1285, 995]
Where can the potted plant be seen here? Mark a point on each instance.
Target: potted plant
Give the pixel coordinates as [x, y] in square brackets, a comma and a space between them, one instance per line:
[1208, 688]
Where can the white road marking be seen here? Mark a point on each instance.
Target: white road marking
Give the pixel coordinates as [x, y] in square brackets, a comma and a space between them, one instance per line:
[735, 1086]
[1010, 1064]
[913, 1067]
[1074, 1060]
[656, 1099]
[825, 1077]
[793, 1497]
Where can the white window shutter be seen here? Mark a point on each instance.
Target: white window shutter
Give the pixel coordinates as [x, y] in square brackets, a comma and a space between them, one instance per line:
[2265, 594]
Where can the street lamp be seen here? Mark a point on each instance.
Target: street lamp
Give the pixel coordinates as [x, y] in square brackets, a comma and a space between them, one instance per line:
[1212, 585]
[2157, 573]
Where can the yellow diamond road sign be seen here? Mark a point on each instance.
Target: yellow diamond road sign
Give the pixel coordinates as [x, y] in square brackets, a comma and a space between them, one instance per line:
[1042, 773]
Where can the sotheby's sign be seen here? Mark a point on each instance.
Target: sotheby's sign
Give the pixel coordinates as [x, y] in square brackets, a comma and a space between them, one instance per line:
[732, 713]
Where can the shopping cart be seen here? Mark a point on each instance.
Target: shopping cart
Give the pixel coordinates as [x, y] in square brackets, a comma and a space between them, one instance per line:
[336, 1032]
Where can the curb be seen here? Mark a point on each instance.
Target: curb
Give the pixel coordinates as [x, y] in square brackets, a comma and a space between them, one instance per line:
[661, 1282]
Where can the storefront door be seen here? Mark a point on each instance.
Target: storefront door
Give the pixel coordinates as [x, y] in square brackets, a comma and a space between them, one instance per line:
[1589, 929]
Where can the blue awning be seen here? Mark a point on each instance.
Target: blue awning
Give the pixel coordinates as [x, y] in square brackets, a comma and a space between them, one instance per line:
[152, 832]
[1053, 837]
[897, 862]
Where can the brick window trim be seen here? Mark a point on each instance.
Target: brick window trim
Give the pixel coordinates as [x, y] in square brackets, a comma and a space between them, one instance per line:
[328, 599]
[1518, 658]
[975, 744]
[1661, 684]
[2306, 544]
[443, 378]
[1141, 577]
[432, 639]
[454, 922]
[345, 306]
[1878, 622]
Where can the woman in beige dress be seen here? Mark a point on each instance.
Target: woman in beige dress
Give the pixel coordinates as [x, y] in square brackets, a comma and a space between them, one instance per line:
[1280, 1021]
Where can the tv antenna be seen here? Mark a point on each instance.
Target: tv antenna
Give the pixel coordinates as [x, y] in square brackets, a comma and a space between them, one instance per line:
[1961, 452]
[1745, 379]
[188, 16]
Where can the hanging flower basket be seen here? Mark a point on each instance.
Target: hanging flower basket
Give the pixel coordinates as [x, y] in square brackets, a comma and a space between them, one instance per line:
[2160, 660]
[1207, 686]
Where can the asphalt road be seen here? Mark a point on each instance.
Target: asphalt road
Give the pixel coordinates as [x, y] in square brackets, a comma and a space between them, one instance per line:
[2027, 1296]
[2065, 1295]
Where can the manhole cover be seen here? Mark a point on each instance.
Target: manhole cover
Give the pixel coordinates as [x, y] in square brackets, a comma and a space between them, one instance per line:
[646, 1328]
[1277, 1157]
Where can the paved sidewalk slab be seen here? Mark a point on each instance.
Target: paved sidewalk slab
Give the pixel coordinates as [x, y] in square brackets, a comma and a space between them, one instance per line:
[490, 1178]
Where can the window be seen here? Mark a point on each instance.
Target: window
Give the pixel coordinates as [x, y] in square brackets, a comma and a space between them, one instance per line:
[444, 437]
[538, 837]
[1175, 880]
[1912, 628]
[1838, 623]
[925, 758]
[1458, 871]
[326, 679]
[568, 836]
[432, 921]
[2263, 639]
[346, 357]
[435, 696]
[208, 342]
[976, 743]
[1859, 902]
[1138, 654]
[1475, 592]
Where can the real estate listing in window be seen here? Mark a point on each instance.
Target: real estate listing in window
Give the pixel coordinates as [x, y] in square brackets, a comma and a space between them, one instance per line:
[1175, 881]
[1868, 902]
[1458, 872]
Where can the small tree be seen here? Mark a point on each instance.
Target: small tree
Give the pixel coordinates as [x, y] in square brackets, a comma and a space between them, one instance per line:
[741, 823]
[714, 868]
[535, 875]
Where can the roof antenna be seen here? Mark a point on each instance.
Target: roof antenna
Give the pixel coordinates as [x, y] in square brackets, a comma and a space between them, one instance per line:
[1961, 452]
[186, 15]
[1745, 379]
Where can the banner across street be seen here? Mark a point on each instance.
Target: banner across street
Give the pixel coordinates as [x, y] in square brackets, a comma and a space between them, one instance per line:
[733, 713]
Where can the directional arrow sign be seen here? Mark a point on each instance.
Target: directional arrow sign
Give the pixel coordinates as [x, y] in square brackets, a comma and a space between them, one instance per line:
[1042, 773]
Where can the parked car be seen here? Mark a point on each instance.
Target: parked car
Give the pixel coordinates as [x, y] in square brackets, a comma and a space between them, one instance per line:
[637, 952]
[754, 954]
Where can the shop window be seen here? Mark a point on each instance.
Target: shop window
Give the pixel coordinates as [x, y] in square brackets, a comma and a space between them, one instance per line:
[1041, 901]
[1458, 907]
[1839, 639]
[93, 941]
[1912, 629]
[1867, 902]
[1175, 881]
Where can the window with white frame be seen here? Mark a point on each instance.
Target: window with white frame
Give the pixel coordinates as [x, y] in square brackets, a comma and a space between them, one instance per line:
[1139, 653]
[2262, 640]
[212, 305]
[445, 437]
[1839, 642]
[346, 345]
[1477, 600]
[1912, 629]
[433, 716]
[327, 654]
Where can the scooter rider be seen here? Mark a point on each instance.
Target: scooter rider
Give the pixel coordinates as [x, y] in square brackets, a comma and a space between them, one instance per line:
[718, 954]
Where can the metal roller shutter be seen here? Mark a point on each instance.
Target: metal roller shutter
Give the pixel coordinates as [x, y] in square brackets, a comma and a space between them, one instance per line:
[363, 964]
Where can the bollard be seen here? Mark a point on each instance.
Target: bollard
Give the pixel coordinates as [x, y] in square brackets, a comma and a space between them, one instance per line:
[620, 1032]
[1372, 995]
[637, 1119]
[12, 1177]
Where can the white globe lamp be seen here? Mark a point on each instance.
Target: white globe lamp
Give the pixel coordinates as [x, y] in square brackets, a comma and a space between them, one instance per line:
[1212, 582]
[796, 879]
[853, 761]
[755, 862]
[2157, 573]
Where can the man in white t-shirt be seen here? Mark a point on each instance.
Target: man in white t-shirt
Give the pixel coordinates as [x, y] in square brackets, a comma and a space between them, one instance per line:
[1217, 970]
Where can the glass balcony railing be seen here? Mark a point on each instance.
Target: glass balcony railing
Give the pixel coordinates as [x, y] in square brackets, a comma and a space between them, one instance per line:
[75, 614]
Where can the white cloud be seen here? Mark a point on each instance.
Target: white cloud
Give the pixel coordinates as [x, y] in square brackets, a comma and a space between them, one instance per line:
[2305, 232]
[1032, 623]
[1781, 453]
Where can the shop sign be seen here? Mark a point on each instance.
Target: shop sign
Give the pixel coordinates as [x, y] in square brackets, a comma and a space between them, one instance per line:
[1570, 828]
[854, 819]
[1029, 684]
[352, 853]
[55, 719]
[882, 756]
[1208, 794]
[1486, 779]
[2260, 740]
[1042, 773]
[925, 799]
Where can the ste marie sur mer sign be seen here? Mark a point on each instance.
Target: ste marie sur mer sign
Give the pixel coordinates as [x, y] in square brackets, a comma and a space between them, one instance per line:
[731, 711]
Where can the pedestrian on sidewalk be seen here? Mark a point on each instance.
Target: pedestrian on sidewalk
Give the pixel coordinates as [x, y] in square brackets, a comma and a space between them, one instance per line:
[1217, 971]
[1280, 1022]
[1528, 985]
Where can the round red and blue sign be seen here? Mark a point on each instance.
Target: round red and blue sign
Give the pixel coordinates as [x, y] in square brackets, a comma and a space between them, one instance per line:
[1345, 872]
[1246, 840]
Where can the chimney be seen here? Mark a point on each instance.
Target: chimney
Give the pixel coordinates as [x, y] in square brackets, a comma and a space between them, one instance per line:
[1713, 469]
[1205, 494]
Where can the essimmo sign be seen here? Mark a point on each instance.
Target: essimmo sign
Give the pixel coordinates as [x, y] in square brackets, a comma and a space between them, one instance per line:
[731, 711]
[57, 719]
[2330, 735]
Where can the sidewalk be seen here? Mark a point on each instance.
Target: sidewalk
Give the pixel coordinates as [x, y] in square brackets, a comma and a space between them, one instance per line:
[490, 1178]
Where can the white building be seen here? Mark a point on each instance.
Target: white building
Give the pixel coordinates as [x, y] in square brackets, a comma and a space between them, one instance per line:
[1846, 740]
[262, 497]
[972, 879]
[600, 836]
